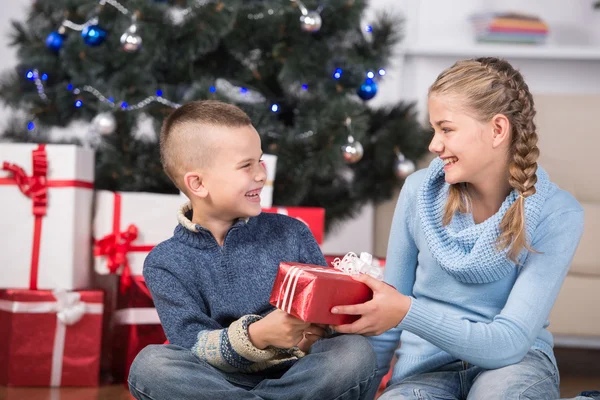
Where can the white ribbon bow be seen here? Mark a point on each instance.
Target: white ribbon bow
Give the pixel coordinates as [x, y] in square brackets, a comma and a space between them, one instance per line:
[351, 264]
[70, 309]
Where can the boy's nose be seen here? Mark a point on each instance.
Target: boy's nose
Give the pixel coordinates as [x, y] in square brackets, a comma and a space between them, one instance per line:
[261, 174]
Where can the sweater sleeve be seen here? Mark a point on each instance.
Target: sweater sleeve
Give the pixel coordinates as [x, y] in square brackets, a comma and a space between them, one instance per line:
[508, 337]
[309, 250]
[187, 324]
[400, 267]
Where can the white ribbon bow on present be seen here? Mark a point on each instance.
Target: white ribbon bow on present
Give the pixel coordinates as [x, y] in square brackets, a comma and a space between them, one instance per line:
[70, 308]
[351, 264]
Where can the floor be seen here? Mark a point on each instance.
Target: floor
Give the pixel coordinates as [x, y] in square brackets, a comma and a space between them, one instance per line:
[580, 370]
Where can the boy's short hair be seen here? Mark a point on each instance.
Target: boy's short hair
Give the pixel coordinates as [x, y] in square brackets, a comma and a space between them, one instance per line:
[184, 139]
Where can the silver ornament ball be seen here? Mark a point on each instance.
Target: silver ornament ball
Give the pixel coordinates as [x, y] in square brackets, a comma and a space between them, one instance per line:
[404, 167]
[104, 123]
[130, 40]
[352, 151]
[311, 21]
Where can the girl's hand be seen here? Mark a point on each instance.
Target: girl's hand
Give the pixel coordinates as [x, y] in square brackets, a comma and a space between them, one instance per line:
[387, 308]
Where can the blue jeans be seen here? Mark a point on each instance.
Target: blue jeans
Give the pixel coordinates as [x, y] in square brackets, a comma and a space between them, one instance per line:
[535, 378]
[342, 367]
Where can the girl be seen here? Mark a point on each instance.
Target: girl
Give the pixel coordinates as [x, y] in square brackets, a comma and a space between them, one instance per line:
[480, 244]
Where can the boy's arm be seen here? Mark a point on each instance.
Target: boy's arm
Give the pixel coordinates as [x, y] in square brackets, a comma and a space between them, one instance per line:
[187, 324]
[309, 250]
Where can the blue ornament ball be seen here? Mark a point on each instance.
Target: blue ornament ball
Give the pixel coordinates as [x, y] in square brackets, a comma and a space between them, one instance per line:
[93, 35]
[54, 41]
[368, 89]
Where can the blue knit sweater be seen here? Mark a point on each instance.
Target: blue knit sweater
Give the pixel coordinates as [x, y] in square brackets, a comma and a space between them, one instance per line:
[469, 301]
[206, 295]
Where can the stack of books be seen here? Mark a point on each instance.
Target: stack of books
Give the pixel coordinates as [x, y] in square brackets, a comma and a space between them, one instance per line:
[509, 28]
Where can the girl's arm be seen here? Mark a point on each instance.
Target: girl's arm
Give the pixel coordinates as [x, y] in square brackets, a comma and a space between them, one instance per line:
[508, 337]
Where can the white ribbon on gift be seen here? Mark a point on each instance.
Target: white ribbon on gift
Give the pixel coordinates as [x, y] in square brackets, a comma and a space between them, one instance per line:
[69, 310]
[349, 265]
[136, 316]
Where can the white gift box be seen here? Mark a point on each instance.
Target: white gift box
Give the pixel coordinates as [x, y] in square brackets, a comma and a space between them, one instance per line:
[46, 194]
[266, 195]
[127, 225]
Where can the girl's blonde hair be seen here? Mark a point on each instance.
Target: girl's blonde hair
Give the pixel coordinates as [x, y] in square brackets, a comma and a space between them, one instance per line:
[490, 86]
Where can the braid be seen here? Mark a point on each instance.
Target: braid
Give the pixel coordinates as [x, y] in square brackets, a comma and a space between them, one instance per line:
[524, 153]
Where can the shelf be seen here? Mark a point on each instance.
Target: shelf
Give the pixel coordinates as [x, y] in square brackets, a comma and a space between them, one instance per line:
[548, 52]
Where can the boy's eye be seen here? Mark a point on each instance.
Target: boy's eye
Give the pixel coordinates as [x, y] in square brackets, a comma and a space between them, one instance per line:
[245, 165]
[446, 130]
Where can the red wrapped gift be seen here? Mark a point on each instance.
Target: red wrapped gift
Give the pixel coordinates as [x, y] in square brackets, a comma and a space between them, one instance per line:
[313, 217]
[50, 338]
[309, 292]
[135, 326]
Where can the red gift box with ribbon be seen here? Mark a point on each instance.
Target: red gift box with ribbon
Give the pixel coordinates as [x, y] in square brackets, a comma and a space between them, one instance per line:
[50, 338]
[313, 217]
[47, 195]
[127, 226]
[135, 325]
[309, 292]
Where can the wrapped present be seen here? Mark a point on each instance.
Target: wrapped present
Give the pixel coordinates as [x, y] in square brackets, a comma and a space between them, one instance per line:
[135, 326]
[269, 161]
[309, 292]
[313, 217]
[50, 338]
[47, 195]
[127, 226]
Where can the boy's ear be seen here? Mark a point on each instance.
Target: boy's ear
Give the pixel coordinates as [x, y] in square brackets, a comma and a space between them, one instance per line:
[500, 130]
[195, 185]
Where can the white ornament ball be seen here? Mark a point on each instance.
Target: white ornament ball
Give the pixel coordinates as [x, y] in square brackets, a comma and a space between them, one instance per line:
[404, 167]
[311, 22]
[104, 123]
[352, 152]
[130, 40]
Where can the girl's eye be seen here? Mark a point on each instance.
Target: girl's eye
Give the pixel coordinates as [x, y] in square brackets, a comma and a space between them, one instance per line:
[446, 130]
[245, 165]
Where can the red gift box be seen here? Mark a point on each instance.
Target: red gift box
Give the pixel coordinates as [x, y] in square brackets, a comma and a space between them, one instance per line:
[50, 338]
[135, 326]
[313, 217]
[309, 292]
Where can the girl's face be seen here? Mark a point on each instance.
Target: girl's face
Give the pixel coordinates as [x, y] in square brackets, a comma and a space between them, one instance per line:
[467, 146]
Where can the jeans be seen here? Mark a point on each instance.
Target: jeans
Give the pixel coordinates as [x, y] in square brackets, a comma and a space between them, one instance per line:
[535, 378]
[342, 367]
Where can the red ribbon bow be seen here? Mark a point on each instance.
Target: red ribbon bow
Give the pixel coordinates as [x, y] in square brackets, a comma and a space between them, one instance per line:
[116, 245]
[35, 186]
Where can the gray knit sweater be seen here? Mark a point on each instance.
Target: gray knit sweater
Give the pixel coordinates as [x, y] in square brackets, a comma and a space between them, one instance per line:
[206, 295]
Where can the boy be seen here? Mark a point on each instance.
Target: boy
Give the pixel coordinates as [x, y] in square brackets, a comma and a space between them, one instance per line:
[212, 280]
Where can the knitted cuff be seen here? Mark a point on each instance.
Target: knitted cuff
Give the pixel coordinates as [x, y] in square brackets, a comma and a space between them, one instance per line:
[240, 340]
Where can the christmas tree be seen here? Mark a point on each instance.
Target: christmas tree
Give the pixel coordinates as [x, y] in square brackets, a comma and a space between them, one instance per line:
[303, 71]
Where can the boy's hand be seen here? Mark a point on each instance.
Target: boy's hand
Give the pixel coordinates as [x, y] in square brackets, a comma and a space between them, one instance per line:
[278, 329]
[311, 335]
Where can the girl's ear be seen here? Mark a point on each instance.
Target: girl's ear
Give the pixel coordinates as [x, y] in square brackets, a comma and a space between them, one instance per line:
[500, 130]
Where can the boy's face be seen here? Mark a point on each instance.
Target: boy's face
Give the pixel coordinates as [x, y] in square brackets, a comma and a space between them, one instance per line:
[235, 176]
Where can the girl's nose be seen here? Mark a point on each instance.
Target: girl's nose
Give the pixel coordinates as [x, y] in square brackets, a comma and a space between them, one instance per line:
[436, 145]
